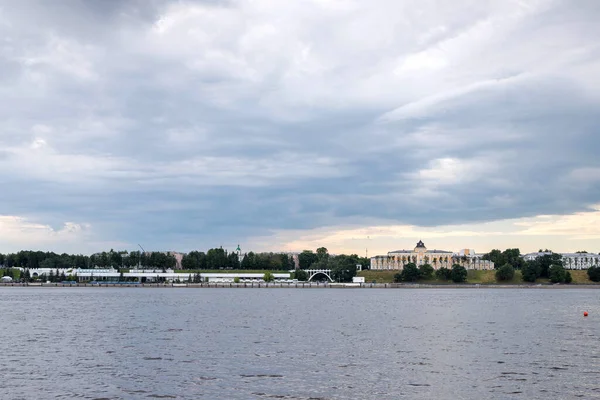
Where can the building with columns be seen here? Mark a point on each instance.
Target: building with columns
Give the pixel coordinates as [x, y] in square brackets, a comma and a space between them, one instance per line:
[420, 255]
[570, 260]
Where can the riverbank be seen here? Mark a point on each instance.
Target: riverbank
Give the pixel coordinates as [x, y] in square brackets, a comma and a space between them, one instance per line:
[308, 285]
[482, 277]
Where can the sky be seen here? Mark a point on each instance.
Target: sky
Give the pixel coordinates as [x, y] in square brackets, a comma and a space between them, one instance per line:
[283, 126]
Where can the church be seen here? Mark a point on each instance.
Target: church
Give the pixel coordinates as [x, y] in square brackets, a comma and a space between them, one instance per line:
[420, 255]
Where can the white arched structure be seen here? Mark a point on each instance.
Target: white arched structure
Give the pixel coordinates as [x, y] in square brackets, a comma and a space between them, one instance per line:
[314, 272]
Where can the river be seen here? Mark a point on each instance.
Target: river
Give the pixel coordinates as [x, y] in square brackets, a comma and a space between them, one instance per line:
[179, 343]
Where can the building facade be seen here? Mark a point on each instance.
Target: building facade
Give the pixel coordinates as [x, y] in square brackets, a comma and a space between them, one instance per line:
[420, 255]
[570, 260]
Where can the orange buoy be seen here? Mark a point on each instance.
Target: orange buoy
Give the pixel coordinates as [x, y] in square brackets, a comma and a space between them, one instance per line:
[585, 314]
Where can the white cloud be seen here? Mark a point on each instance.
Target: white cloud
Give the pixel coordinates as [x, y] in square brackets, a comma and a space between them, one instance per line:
[563, 233]
[577, 226]
[19, 233]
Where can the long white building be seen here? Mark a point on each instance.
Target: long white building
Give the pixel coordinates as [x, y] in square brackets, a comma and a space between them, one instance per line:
[570, 260]
[138, 275]
[420, 255]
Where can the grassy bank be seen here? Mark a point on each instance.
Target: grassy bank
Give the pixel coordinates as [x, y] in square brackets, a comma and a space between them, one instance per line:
[473, 276]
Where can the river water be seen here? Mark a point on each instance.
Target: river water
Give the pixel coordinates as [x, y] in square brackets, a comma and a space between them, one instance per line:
[144, 343]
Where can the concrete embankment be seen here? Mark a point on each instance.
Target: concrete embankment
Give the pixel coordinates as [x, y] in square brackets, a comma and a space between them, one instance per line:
[309, 285]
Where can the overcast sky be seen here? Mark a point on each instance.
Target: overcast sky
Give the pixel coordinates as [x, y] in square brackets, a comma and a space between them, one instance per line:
[284, 125]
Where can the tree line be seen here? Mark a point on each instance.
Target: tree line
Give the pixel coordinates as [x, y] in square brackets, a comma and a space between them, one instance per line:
[343, 267]
[412, 273]
[549, 265]
[220, 259]
[106, 259]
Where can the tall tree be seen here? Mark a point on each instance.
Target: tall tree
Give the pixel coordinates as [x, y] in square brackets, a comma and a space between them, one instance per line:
[307, 258]
[322, 253]
[343, 267]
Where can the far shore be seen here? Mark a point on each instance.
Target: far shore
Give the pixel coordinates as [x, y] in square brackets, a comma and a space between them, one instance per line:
[308, 285]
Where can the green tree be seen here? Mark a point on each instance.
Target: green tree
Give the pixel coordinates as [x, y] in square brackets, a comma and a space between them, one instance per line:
[508, 256]
[115, 259]
[505, 272]
[104, 260]
[594, 274]
[11, 260]
[513, 257]
[546, 261]
[48, 263]
[194, 260]
[398, 277]
[364, 262]
[301, 275]
[530, 271]
[233, 261]
[557, 274]
[443, 274]
[343, 267]
[568, 277]
[249, 261]
[322, 253]
[459, 274]
[268, 276]
[410, 273]
[197, 277]
[134, 259]
[216, 259]
[426, 271]
[307, 258]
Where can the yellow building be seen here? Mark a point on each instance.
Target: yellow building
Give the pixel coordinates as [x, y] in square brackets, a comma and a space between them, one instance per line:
[420, 255]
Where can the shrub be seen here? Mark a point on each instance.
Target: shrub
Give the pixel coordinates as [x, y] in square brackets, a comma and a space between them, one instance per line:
[410, 273]
[268, 277]
[530, 271]
[459, 274]
[398, 277]
[301, 275]
[594, 274]
[426, 271]
[443, 274]
[568, 277]
[505, 273]
[236, 279]
[557, 274]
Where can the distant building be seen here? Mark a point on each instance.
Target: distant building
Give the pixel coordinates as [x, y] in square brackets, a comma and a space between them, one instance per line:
[533, 256]
[178, 258]
[420, 255]
[570, 260]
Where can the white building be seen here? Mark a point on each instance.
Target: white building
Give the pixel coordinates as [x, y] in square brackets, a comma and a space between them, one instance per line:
[396, 260]
[570, 260]
[149, 275]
